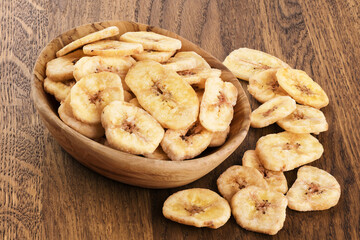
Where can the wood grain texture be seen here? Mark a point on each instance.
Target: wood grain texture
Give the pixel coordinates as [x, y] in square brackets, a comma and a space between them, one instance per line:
[46, 194]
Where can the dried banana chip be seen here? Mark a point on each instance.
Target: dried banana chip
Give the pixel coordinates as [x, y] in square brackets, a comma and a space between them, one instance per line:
[302, 88]
[314, 189]
[239, 177]
[275, 180]
[135, 102]
[61, 69]
[197, 207]
[127, 96]
[264, 86]
[304, 119]
[92, 37]
[216, 109]
[259, 210]
[164, 94]
[153, 41]
[92, 93]
[60, 90]
[245, 62]
[112, 48]
[131, 129]
[219, 138]
[154, 55]
[285, 151]
[186, 143]
[198, 76]
[89, 130]
[272, 111]
[157, 154]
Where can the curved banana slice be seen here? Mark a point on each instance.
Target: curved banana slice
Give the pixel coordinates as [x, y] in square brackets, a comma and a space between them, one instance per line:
[238, 177]
[164, 94]
[183, 61]
[89, 130]
[154, 55]
[60, 90]
[157, 154]
[314, 189]
[89, 65]
[245, 62]
[131, 129]
[264, 86]
[112, 48]
[216, 109]
[151, 40]
[302, 88]
[259, 210]
[92, 37]
[285, 151]
[275, 180]
[186, 143]
[61, 69]
[92, 93]
[272, 111]
[197, 207]
[304, 119]
[219, 138]
[198, 76]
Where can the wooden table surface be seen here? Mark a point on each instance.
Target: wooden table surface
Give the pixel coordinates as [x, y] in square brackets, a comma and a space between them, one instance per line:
[46, 194]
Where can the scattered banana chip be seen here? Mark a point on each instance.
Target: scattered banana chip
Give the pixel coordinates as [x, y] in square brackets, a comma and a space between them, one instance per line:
[304, 119]
[245, 62]
[60, 90]
[89, 130]
[302, 88]
[154, 55]
[131, 129]
[264, 86]
[198, 76]
[238, 177]
[112, 48]
[259, 210]
[216, 109]
[157, 154]
[164, 94]
[186, 143]
[314, 189]
[153, 41]
[285, 151]
[197, 207]
[275, 180]
[92, 93]
[272, 111]
[219, 138]
[61, 69]
[92, 37]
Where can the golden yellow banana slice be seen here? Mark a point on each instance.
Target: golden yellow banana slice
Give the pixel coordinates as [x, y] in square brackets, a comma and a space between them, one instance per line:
[238, 177]
[112, 48]
[164, 94]
[131, 129]
[264, 86]
[151, 40]
[186, 143]
[198, 76]
[216, 109]
[61, 69]
[197, 207]
[275, 180]
[302, 88]
[89, 130]
[183, 61]
[245, 62]
[92, 37]
[304, 119]
[259, 210]
[59, 90]
[92, 93]
[135, 102]
[154, 55]
[157, 154]
[314, 189]
[285, 151]
[271, 111]
[219, 138]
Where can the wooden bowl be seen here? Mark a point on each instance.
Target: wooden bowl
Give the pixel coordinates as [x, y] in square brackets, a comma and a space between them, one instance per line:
[121, 166]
